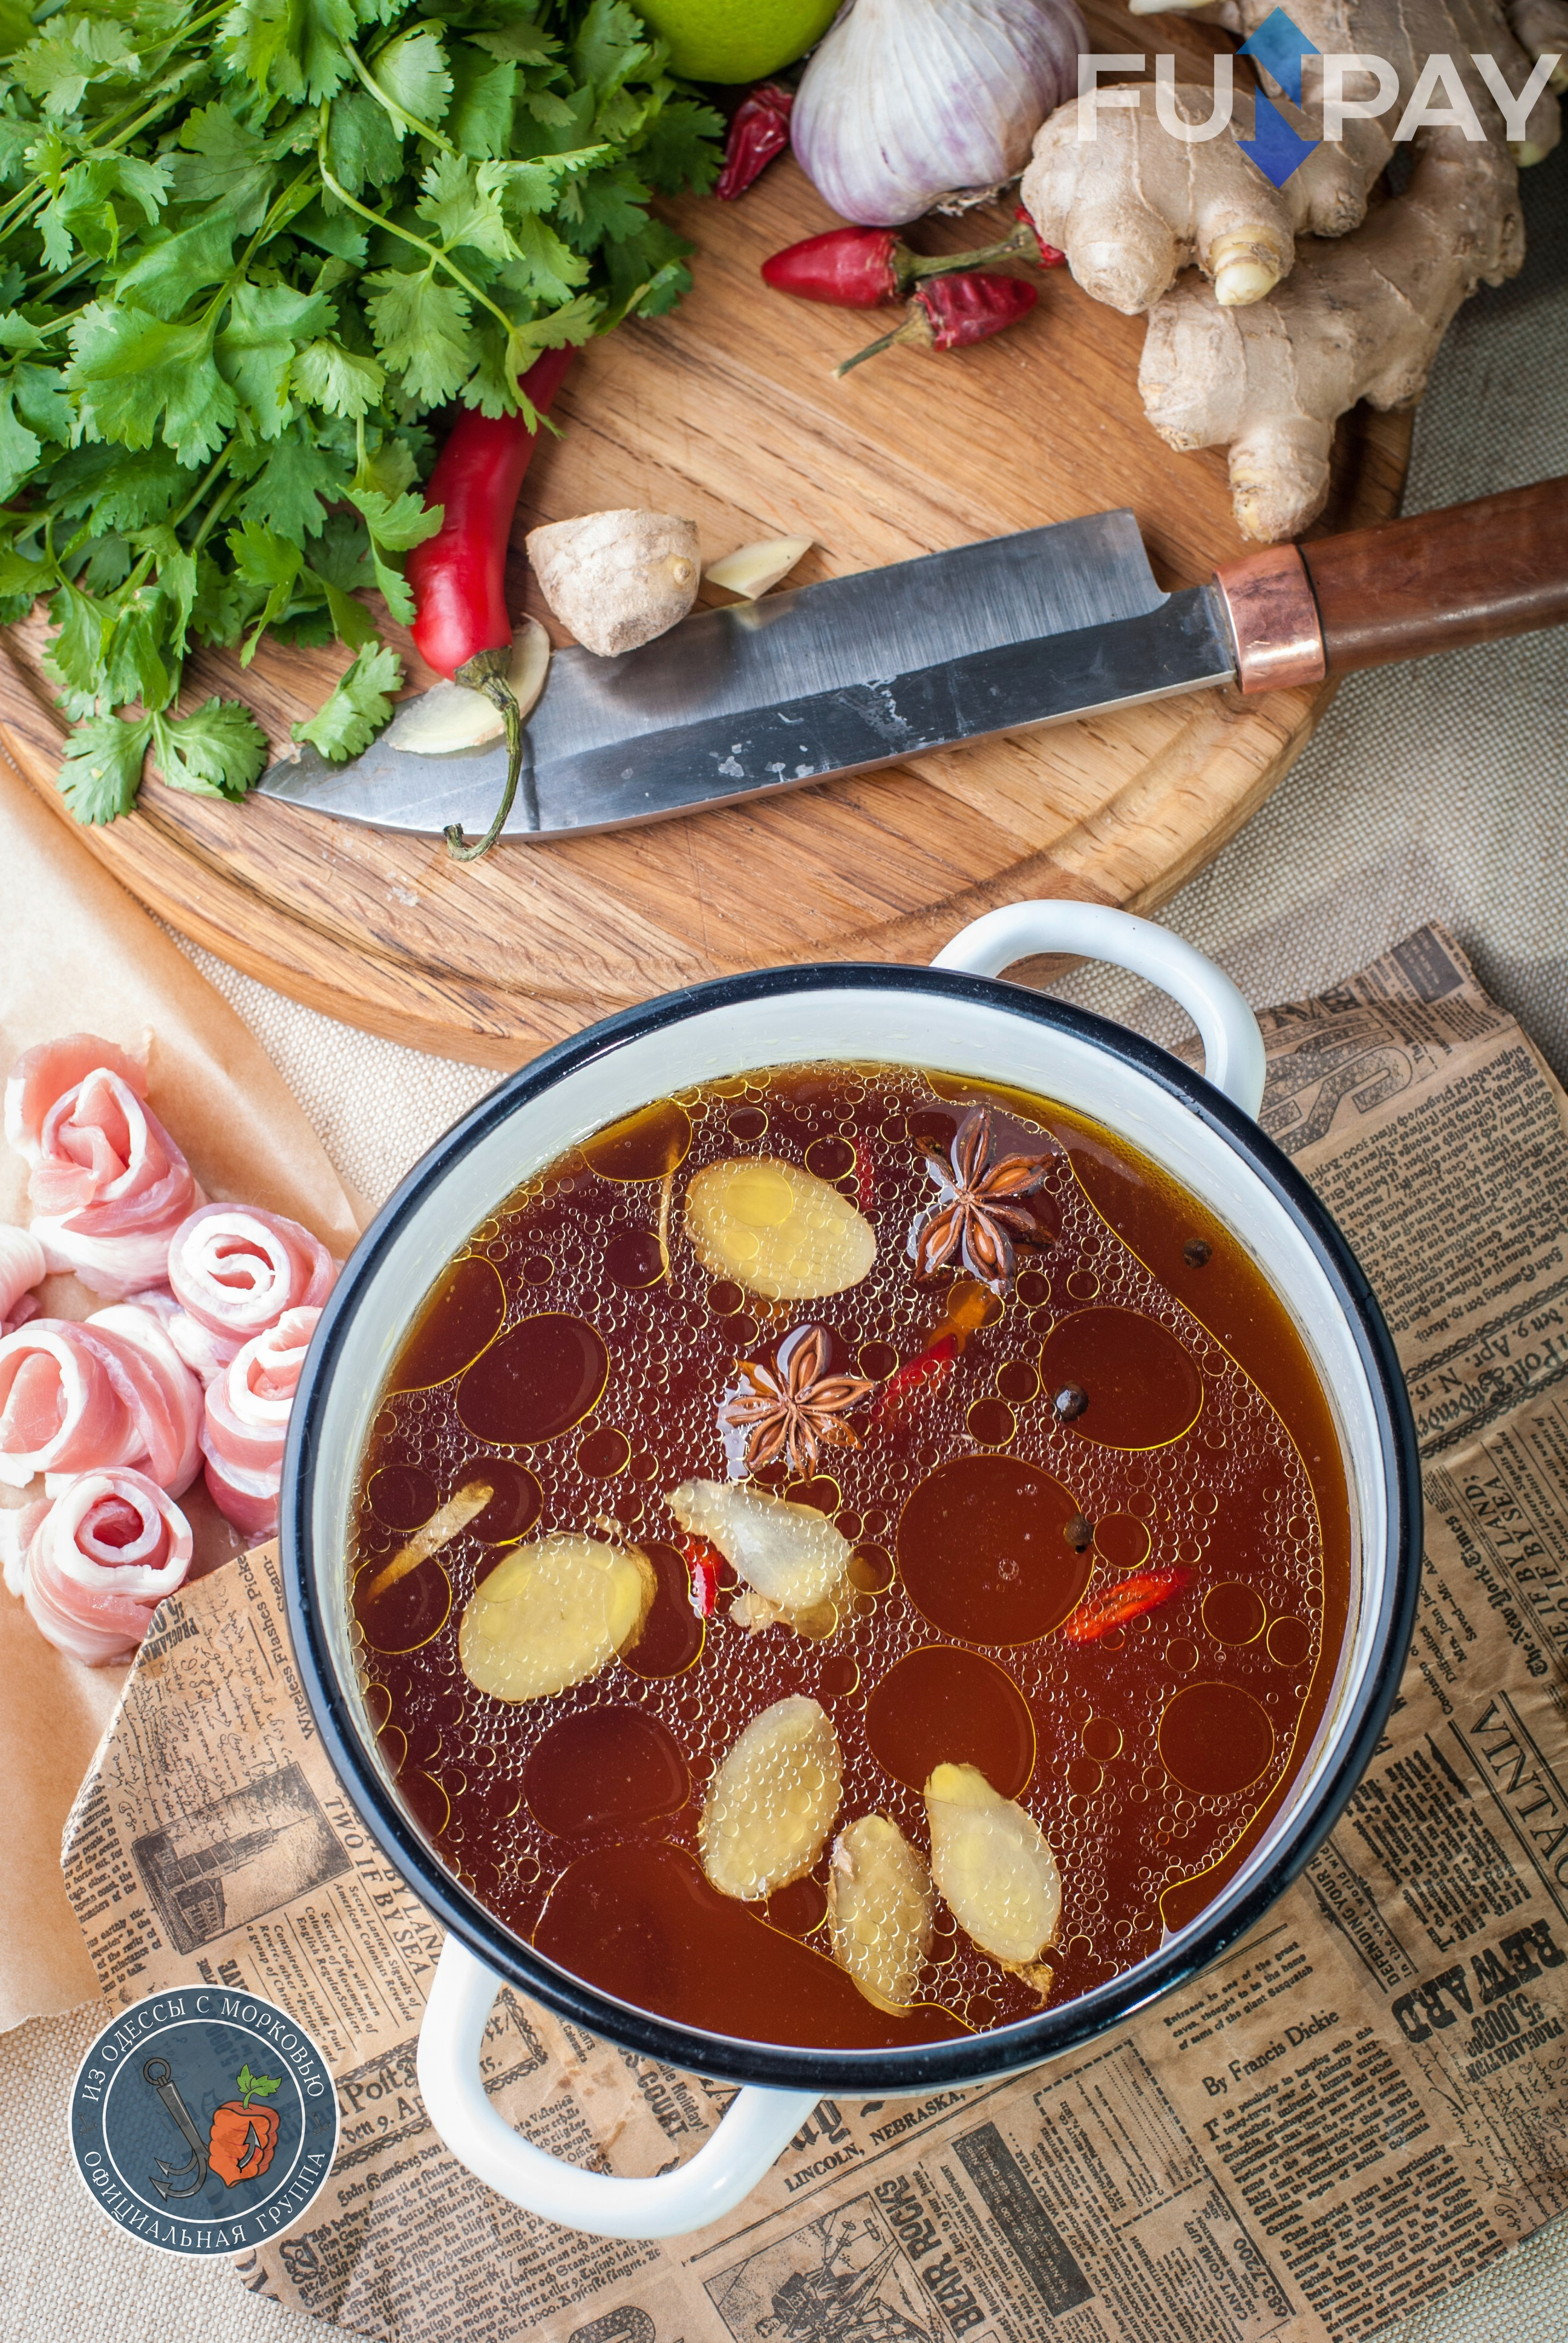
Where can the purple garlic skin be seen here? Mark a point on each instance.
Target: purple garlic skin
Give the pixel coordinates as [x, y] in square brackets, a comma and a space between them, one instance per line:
[907, 101]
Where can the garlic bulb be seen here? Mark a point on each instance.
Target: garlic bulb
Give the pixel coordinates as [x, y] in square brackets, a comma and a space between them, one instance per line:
[910, 101]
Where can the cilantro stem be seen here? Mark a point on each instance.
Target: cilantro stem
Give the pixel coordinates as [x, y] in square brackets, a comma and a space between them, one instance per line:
[203, 485]
[389, 105]
[437, 258]
[215, 513]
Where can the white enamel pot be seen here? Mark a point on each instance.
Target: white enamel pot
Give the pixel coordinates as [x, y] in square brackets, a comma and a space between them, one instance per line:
[957, 1017]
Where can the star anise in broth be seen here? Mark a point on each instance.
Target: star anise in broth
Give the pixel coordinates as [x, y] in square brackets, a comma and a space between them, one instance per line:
[978, 1214]
[789, 1410]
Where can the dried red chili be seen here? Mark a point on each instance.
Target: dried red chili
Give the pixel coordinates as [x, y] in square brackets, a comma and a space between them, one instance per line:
[953, 312]
[704, 1562]
[919, 1378]
[865, 268]
[759, 130]
[1135, 1595]
[243, 2136]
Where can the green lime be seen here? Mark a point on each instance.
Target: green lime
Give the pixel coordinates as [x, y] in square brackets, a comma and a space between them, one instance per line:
[737, 40]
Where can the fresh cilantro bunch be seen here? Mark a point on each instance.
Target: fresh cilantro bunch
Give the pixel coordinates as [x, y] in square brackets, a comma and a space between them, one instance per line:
[244, 252]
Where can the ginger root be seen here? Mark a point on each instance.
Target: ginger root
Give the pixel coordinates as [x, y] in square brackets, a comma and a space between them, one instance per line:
[1311, 301]
[617, 579]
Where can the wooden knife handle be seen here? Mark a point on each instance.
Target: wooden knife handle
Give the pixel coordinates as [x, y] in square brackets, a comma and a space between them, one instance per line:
[1433, 583]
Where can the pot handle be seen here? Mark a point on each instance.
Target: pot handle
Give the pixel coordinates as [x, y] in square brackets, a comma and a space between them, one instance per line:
[1233, 1046]
[755, 2129]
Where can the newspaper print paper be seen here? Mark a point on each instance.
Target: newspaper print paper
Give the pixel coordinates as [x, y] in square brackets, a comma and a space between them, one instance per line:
[1360, 2104]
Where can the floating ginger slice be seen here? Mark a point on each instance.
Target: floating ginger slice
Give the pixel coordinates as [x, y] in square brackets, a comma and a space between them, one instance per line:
[880, 1906]
[776, 1229]
[994, 1868]
[772, 1802]
[552, 1612]
[791, 1557]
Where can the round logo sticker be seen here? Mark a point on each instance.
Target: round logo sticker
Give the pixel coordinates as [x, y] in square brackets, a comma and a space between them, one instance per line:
[204, 2121]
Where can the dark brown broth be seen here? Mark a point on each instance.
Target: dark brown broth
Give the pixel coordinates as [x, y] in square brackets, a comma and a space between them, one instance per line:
[579, 1320]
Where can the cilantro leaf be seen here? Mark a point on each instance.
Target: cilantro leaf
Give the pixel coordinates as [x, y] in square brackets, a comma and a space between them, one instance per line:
[291, 493]
[396, 525]
[174, 266]
[340, 380]
[420, 324]
[102, 770]
[480, 118]
[254, 351]
[224, 162]
[136, 373]
[218, 750]
[264, 559]
[356, 712]
[412, 70]
[362, 146]
[19, 448]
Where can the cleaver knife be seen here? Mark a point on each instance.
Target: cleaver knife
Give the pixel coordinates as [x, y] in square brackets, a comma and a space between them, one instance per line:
[956, 648]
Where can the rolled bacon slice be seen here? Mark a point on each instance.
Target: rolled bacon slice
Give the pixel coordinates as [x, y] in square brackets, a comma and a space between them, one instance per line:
[111, 1391]
[99, 1562]
[248, 1410]
[22, 1267]
[235, 1270]
[109, 1185]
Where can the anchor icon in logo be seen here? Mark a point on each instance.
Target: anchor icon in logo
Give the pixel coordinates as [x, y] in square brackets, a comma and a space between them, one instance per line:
[240, 2143]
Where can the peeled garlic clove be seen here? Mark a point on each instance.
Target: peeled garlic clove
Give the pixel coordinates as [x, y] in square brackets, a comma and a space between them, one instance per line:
[772, 1802]
[452, 716]
[992, 1864]
[790, 1555]
[551, 1613]
[776, 1229]
[880, 1906]
[617, 579]
[751, 569]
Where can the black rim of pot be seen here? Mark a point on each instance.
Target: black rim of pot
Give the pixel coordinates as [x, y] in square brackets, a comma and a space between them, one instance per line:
[973, 2057]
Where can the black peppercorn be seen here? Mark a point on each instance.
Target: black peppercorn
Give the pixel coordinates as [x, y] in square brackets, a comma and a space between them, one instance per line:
[1070, 1402]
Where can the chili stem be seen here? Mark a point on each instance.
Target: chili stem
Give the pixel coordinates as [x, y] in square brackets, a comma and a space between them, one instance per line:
[486, 672]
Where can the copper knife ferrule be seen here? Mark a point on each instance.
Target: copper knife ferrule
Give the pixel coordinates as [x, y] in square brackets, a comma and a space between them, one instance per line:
[1273, 616]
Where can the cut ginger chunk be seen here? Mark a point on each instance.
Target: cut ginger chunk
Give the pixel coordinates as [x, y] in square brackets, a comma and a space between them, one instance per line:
[553, 1612]
[793, 1560]
[776, 1229]
[995, 1870]
[880, 1906]
[773, 1801]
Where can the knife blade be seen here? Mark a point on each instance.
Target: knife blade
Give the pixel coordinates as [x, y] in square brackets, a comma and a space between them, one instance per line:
[811, 684]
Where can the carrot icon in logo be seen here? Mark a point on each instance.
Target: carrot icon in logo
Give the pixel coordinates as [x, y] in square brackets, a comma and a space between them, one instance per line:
[244, 2136]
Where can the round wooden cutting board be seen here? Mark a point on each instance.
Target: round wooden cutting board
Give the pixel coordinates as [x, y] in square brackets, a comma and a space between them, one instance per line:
[726, 411]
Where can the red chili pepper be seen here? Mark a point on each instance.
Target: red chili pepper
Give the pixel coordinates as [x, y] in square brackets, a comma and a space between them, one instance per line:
[1120, 1603]
[243, 2136]
[1047, 254]
[759, 129]
[865, 268]
[705, 1562]
[459, 576]
[865, 1176]
[952, 312]
[915, 1379]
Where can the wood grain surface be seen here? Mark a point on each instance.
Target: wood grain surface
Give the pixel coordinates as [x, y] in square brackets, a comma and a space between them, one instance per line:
[726, 411]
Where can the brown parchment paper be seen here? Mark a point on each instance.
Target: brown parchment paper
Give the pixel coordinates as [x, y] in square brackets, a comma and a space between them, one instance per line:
[76, 954]
[1359, 2104]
